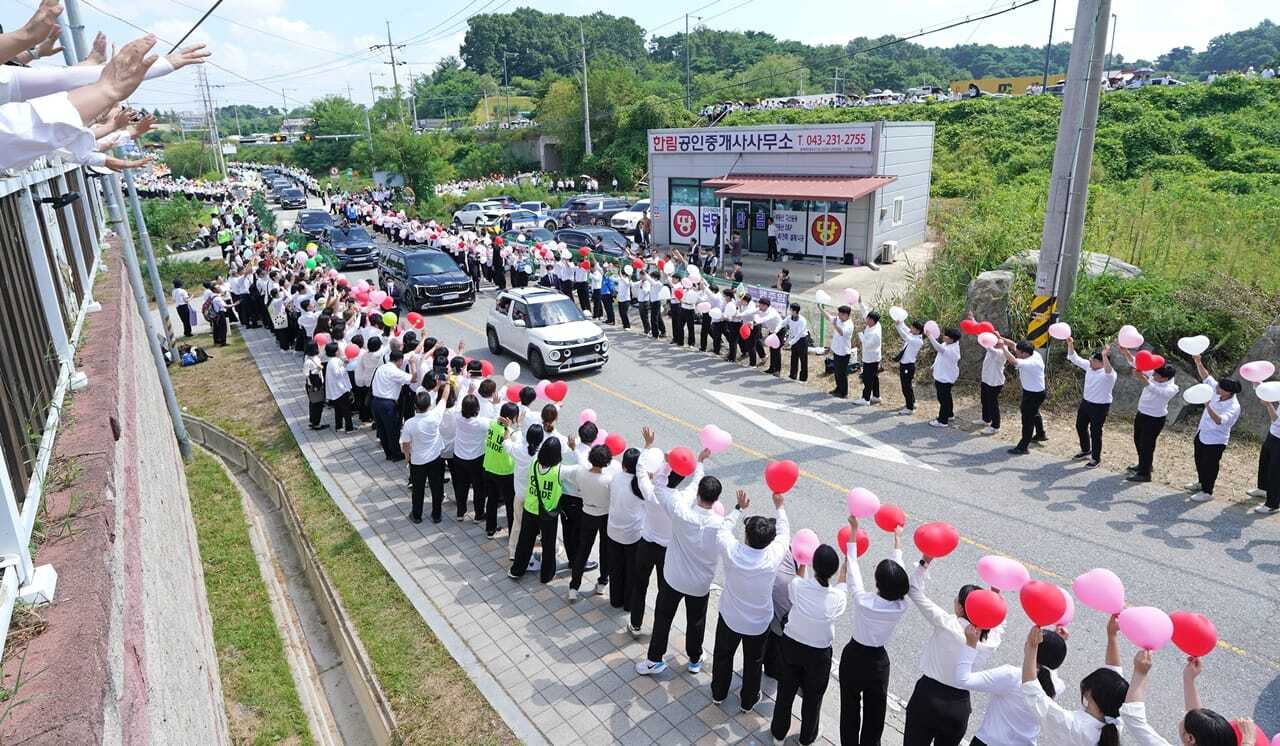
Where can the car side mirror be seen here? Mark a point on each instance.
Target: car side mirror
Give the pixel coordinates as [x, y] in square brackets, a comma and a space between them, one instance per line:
[518, 322]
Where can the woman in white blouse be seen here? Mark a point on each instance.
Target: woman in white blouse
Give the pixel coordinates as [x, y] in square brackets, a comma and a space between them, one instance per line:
[1009, 719]
[1200, 726]
[946, 369]
[626, 520]
[1102, 693]
[521, 449]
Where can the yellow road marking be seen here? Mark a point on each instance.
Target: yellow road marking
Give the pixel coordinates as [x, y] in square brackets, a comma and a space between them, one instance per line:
[842, 490]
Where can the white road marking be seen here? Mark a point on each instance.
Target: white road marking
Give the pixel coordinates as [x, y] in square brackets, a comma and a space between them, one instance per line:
[866, 445]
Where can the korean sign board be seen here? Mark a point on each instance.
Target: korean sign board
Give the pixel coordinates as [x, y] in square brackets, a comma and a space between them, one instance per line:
[843, 139]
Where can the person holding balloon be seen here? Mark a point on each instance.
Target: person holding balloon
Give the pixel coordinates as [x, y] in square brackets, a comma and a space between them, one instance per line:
[655, 535]
[1091, 415]
[841, 348]
[1200, 726]
[991, 383]
[1009, 718]
[591, 478]
[1158, 389]
[1030, 366]
[912, 337]
[1269, 465]
[1102, 693]
[422, 445]
[870, 341]
[946, 370]
[337, 388]
[313, 368]
[1214, 431]
[864, 662]
[625, 523]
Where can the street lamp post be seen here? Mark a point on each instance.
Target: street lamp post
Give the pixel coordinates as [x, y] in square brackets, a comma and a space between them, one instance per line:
[1113, 43]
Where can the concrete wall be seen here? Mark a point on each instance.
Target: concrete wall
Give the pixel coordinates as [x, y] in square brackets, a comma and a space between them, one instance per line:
[906, 151]
[128, 653]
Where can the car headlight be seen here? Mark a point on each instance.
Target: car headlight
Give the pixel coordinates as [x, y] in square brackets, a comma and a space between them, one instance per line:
[557, 354]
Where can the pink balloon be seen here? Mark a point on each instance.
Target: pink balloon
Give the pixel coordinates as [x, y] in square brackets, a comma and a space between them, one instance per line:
[1070, 613]
[987, 340]
[718, 508]
[586, 415]
[772, 342]
[600, 437]
[863, 503]
[1275, 741]
[852, 296]
[377, 296]
[541, 388]
[1003, 572]
[803, 544]
[1257, 371]
[714, 439]
[1100, 590]
[1060, 330]
[1146, 626]
[932, 330]
[1129, 337]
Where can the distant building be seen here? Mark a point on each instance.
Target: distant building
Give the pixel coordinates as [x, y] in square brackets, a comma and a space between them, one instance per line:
[295, 126]
[1012, 86]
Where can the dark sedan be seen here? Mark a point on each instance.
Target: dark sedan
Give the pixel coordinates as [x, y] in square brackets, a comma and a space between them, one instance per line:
[292, 199]
[600, 240]
[314, 223]
[352, 247]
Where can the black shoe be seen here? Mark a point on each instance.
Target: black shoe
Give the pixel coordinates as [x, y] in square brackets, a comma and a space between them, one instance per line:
[416, 520]
[319, 427]
[435, 519]
[349, 430]
[1092, 464]
[1133, 469]
[1080, 455]
[1136, 477]
[394, 459]
[1040, 439]
[1017, 451]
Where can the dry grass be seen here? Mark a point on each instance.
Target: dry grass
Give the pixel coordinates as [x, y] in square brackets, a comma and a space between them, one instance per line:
[433, 699]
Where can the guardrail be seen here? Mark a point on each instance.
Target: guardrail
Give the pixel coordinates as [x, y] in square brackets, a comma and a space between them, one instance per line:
[51, 223]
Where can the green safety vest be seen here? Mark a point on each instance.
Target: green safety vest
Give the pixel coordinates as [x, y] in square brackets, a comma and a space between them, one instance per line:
[224, 236]
[496, 459]
[544, 485]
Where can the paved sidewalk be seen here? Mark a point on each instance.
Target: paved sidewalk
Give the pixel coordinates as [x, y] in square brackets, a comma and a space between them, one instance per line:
[557, 673]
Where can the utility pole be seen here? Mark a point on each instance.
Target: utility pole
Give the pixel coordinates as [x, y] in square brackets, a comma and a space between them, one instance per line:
[349, 99]
[368, 130]
[688, 82]
[284, 103]
[239, 133]
[835, 88]
[1112, 51]
[395, 77]
[506, 82]
[586, 105]
[373, 93]
[1048, 48]
[1063, 235]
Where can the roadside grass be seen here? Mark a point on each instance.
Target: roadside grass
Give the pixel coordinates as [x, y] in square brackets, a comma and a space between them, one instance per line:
[433, 699]
[258, 689]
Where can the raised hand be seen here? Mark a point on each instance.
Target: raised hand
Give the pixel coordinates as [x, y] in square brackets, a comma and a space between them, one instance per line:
[98, 54]
[43, 23]
[142, 126]
[778, 500]
[648, 436]
[50, 46]
[743, 502]
[192, 55]
[124, 72]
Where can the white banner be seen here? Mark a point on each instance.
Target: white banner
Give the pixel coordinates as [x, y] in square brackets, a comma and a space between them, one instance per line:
[826, 233]
[844, 138]
[791, 230]
[684, 224]
[709, 217]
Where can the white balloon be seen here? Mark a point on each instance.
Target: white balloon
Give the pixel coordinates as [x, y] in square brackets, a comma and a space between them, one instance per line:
[695, 274]
[1129, 337]
[627, 269]
[822, 298]
[520, 237]
[852, 296]
[988, 340]
[1269, 391]
[652, 459]
[1060, 330]
[898, 313]
[1194, 345]
[511, 372]
[1201, 393]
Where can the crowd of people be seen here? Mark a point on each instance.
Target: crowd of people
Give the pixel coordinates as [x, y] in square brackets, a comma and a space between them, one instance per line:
[75, 112]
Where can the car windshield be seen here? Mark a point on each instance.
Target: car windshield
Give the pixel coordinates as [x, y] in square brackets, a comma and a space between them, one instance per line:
[292, 192]
[522, 215]
[640, 206]
[534, 206]
[611, 238]
[560, 311]
[428, 263]
[530, 236]
[315, 218]
[350, 234]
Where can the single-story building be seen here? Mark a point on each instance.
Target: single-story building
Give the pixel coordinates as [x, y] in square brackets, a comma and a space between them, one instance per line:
[843, 190]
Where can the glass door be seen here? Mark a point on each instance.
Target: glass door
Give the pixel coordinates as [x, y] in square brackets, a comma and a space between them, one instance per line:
[759, 226]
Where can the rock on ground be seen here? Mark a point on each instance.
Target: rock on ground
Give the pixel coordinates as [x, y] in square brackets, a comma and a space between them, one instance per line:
[1093, 264]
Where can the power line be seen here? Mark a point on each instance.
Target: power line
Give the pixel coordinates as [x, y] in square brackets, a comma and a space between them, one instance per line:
[457, 26]
[264, 32]
[680, 17]
[192, 30]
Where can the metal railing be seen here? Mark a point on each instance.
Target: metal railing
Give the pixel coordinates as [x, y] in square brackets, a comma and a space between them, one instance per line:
[50, 250]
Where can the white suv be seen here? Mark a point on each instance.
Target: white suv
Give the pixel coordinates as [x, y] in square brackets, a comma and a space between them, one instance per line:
[626, 221]
[547, 329]
[472, 210]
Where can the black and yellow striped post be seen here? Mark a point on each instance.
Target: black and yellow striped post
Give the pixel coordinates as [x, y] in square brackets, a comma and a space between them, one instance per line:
[1044, 311]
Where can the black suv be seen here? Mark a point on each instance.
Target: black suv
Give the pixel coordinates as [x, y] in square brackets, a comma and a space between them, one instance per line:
[427, 278]
[292, 198]
[314, 223]
[599, 239]
[595, 210]
[352, 246]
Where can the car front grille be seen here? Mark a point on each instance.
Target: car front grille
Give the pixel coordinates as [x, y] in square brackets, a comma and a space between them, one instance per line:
[460, 287]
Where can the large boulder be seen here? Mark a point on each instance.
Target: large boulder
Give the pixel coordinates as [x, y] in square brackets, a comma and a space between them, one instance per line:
[988, 300]
[1253, 417]
[1094, 265]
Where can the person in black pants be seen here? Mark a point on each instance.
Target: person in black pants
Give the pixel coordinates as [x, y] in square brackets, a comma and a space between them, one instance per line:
[806, 650]
[388, 379]
[657, 327]
[425, 464]
[1031, 375]
[938, 713]
[1269, 465]
[797, 338]
[1099, 381]
[622, 556]
[677, 320]
[1213, 432]
[650, 559]
[1158, 387]
[314, 368]
[335, 373]
[541, 505]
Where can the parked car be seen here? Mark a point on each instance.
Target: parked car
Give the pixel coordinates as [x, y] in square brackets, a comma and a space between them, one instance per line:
[293, 199]
[314, 223]
[558, 213]
[528, 237]
[472, 210]
[428, 277]
[535, 206]
[595, 210]
[627, 220]
[547, 329]
[506, 201]
[353, 246]
[597, 238]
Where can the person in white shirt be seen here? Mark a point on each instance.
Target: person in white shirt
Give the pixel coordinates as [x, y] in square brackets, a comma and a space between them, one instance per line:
[366, 364]
[521, 448]
[770, 322]
[1009, 718]
[385, 386]
[864, 662]
[1269, 465]
[1199, 726]
[912, 340]
[659, 291]
[841, 349]
[870, 340]
[816, 604]
[623, 293]
[591, 482]
[689, 567]
[991, 383]
[640, 287]
[689, 311]
[1030, 367]
[1214, 432]
[626, 521]
[308, 318]
[313, 371]
[1102, 694]
[796, 338]
[946, 370]
[337, 388]
[938, 711]
[771, 233]
[422, 445]
[1158, 388]
[1099, 383]
[182, 301]
[655, 537]
[468, 457]
[746, 604]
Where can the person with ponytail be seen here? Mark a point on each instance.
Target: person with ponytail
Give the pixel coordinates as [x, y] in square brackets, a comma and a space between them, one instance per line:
[626, 520]
[939, 708]
[1200, 726]
[522, 449]
[1101, 692]
[1009, 719]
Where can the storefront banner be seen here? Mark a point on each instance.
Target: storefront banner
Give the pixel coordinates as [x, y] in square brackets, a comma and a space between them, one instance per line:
[826, 234]
[829, 139]
[791, 227]
[710, 217]
[684, 224]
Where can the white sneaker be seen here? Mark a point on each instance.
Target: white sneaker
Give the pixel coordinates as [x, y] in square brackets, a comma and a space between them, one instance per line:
[648, 667]
[979, 422]
[1191, 487]
[1201, 497]
[779, 741]
[861, 403]
[989, 430]
[935, 423]
[695, 666]
[635, 631]
[601, 588]
[1264, 510]
[1256, 493]
[906, 412]
[875, 400]
[573, 595]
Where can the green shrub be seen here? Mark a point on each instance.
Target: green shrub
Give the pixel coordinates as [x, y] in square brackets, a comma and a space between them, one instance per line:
[175, 220]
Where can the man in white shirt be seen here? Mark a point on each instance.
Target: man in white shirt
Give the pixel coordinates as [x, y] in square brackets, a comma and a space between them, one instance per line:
[337, 388]
[767, 321]
[946, 370]
[1214, 432]
[771, 231]
[746, 604]
[1269, 465]
[1099, 383]
[1030, 367]
[386, 383]
[796, 331]
[422, 444]
[658, 292]
[1158, 388]
[841, 349]
[912, 340]
[870, 339]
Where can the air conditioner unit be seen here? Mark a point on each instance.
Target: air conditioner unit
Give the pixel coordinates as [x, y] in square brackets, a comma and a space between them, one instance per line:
[888, 252]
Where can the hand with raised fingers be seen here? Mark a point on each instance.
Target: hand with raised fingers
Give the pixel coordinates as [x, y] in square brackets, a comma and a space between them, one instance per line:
[124, 72]
[192, 55]
[98, 54]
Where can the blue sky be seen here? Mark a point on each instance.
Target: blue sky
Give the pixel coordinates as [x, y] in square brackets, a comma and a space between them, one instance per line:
[311, 48]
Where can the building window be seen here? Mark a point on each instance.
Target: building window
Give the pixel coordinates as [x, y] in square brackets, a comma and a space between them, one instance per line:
[897, 210]
[684, 192]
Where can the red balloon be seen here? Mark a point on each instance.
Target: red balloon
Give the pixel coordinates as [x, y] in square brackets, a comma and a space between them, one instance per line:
[744, 331]
[616, 444]
[352, 352]
[497, 241]
[556, 391]
[890, 517]
[1145, 361]
[781, 476]
[1193, 633]
[585, 264]
[969, 326]
[986, 327]
[985, 609]
[682, 461]
[486, 368]
[936, 539]
[637, 264]
[1259, 736]
[344, 282]
[1043, 602]
[861, 541]
[321, 340]
[584, 252]
[388, 303]
[513, 394]
[662, 263]
[416, 319]
[679, 293]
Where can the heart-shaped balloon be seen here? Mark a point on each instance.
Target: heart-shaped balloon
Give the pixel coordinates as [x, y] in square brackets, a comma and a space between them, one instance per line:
[617, 444]
[557, 390]
[862, 503]
[932, 330]
[1194, 345]
[1193, 633]
[985, 609]
[1129, 338]
[540, 388]
[1100, 590]
[937, 539]
[821, 297]
[1060, 330]
[511, 372]
[682, 461]
[803, 544]
[890, 517]
[861, 541]
[772, 342]
[1201, 393]
[852, 297]
[513, 393]
[1257, 371]
[969, 326]
[1004, 573]
[586, 415]
[715, 439]
[1146, 361]
[781, 476]
[898, 313]
[1146, 626]
[1269, 391]
[1042, 602]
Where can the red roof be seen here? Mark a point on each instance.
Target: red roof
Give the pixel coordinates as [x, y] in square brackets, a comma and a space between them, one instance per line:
[842, 188]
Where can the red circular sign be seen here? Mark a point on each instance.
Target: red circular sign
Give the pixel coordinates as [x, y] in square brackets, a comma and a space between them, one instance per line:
[826, 230]
[684, 222]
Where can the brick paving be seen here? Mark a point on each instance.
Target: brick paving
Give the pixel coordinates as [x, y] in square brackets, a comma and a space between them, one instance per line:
[557, 673]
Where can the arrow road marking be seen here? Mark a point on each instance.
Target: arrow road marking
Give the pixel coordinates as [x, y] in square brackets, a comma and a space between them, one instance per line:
[866, 445]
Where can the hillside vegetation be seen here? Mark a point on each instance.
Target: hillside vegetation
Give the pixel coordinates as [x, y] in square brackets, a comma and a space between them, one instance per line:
[1185, 185]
